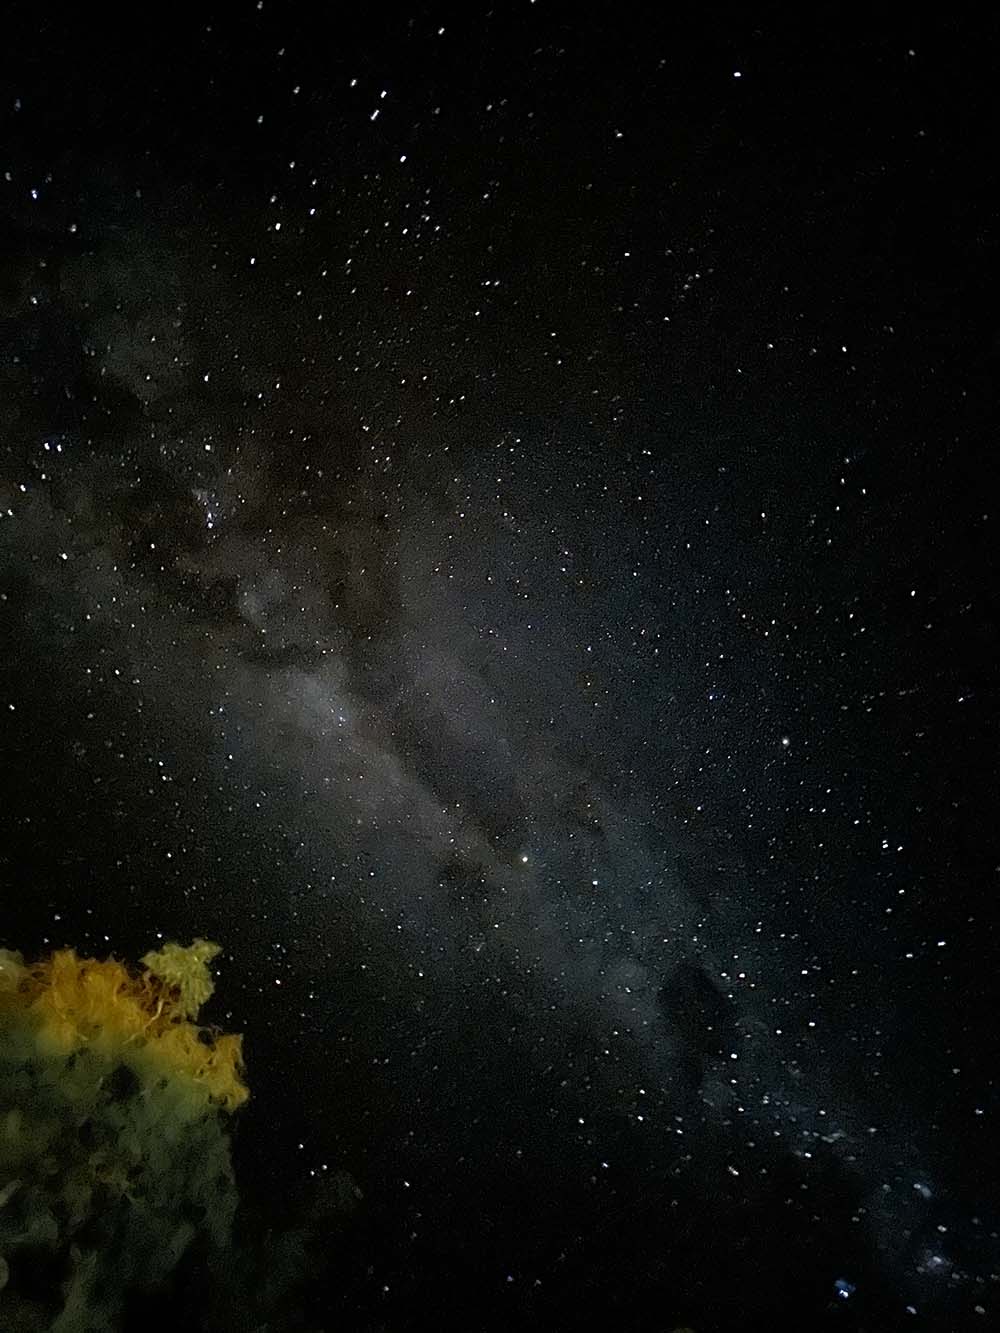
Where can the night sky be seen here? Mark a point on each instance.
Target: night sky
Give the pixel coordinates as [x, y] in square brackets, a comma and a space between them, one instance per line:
[496, 530]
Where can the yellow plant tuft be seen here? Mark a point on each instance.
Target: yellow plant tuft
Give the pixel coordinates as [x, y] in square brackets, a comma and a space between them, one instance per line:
[144, 1019]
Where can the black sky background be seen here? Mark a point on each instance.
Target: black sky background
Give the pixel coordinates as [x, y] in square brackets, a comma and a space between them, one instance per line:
[518, 569]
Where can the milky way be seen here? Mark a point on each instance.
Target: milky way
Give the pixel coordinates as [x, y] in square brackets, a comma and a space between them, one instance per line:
[513, 734]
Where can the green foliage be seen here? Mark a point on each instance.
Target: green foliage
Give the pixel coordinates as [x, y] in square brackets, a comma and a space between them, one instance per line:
[107, 1181]
[186, 969]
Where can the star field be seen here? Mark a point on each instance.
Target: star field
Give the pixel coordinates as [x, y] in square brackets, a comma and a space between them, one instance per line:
[495, 529]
